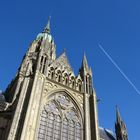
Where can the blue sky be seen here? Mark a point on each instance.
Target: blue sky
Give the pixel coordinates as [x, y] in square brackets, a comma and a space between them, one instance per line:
[79, 26]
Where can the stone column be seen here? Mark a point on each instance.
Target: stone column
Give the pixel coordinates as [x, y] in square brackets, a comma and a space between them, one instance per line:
[94, 118]
[87, 117]
[29, 128]
[86, 113]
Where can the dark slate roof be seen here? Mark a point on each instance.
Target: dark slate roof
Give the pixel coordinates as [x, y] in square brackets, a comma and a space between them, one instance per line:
[106, 134]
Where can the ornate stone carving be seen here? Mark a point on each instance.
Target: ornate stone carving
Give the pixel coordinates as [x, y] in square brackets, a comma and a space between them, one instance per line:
[79, 97]
[63, 101]
[67, 107]
[51, 107]
[49, 86]
[63, 63]
[60, 119]
[71, 114]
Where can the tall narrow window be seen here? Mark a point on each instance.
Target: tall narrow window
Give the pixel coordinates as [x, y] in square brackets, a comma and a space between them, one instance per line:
[80, 87]
[43, 125]
[44, 64]
[71, 130]
[65, 129]
[41, 63]
[78, 131]
[57, 128]
[59, 78]
[66, 81]
[50, 126]
[52, 73]
[87, 84]
[73, 84]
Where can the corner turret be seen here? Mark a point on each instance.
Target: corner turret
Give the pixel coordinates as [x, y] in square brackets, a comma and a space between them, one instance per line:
[120, 127]
[86, 75]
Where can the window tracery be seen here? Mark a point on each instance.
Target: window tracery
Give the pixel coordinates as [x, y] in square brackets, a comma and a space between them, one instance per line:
[60, 120]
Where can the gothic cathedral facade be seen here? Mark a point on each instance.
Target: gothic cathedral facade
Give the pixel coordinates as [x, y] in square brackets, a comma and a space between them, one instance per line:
[46, 101]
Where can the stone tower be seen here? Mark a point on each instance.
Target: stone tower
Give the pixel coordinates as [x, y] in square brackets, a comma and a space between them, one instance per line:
[120, 127]
[46, 100]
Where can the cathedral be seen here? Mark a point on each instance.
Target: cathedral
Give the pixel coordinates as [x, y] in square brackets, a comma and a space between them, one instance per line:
[47, 101]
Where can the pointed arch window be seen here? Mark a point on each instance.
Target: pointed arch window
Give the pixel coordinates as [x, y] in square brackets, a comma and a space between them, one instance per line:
[59, 120]
[43, 63]
[52, 72]
[59, 76]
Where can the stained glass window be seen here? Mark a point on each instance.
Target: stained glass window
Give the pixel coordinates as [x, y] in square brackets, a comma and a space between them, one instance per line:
[60, 121]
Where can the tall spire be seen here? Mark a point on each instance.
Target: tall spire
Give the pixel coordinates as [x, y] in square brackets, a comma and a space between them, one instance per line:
[47, 28]
[90, 71]
[85, 63]
[84, 70]
[118, 116]
[120, 127]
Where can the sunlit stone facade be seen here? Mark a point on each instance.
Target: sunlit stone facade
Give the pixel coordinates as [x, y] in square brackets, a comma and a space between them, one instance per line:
[47, 101]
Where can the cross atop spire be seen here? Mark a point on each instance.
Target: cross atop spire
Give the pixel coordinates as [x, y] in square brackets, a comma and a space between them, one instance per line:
[47, 28]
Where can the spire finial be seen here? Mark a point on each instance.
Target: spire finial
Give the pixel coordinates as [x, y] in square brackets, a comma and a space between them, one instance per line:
[47, 28]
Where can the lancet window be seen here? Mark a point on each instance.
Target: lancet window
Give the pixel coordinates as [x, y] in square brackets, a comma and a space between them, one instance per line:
[43, 63]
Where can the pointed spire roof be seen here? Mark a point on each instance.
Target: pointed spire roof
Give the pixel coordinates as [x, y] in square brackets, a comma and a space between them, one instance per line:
[90, 71]
[118, 116]
[63, 62]
[85, 63]
[47, 28]
[120, 127]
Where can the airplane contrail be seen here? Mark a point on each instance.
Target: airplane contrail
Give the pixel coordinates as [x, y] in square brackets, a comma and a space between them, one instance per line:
[119, 69]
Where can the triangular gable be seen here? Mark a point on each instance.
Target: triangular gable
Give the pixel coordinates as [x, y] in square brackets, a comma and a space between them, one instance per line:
[62, 63]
